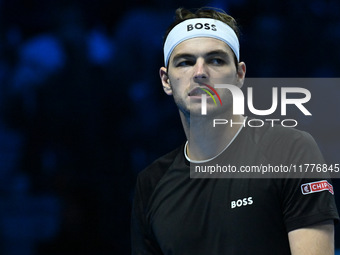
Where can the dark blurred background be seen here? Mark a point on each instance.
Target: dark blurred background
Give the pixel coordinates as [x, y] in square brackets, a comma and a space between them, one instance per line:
[82, 110]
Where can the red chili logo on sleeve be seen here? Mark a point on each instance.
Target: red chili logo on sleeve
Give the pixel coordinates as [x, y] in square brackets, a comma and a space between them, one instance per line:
[318, 186]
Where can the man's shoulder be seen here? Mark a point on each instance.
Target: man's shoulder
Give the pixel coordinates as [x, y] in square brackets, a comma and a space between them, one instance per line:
[154, 172]
[277, 133]
[283, 144]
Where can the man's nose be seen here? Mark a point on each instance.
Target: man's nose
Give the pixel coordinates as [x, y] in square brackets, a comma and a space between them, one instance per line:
[201, 73]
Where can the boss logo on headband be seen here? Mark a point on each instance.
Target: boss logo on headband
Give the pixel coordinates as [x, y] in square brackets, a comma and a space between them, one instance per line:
[205, 26]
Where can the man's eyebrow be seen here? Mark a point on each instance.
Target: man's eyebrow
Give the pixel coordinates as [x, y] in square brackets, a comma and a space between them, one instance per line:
[183, 55]
[208, 54]
[217, 52]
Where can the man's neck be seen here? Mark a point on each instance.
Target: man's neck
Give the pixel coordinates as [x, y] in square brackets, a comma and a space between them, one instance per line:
[206, 141]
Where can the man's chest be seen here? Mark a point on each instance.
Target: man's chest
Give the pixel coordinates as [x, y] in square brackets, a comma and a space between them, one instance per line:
[215, 214]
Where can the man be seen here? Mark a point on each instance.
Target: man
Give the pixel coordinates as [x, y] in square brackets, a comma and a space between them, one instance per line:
[176, 214]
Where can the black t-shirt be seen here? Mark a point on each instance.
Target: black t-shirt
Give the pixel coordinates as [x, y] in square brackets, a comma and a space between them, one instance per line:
[174, 214]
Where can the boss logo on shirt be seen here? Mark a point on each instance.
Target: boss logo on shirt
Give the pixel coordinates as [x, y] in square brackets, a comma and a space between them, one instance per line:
[242, 202]
[319, 186]
[205, 26]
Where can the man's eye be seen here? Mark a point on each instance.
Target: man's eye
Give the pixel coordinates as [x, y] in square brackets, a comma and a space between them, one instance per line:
[217, 61]
[185, 63]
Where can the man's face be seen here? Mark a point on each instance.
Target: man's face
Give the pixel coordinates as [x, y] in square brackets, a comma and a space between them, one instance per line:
[196, 62]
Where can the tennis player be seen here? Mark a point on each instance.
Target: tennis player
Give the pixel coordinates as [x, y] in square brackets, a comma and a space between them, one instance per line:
[174, 214]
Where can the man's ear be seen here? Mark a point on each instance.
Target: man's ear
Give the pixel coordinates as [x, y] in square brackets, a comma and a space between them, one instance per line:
[165, 81]
[241, 73]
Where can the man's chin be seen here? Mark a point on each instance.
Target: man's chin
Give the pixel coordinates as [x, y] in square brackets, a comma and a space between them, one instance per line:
[197, 113]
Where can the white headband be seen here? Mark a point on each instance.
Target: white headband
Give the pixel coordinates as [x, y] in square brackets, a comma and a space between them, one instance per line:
[201, 27]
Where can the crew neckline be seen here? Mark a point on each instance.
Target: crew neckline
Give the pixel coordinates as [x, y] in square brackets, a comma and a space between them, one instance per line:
[207, 160]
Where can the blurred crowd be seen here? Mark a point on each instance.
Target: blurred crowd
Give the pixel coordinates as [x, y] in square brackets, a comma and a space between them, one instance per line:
[82, 109]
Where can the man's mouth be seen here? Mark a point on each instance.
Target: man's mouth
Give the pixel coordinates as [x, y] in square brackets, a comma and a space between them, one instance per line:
[198, 91]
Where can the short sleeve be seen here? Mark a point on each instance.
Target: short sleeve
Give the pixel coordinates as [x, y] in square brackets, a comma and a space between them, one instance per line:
[307, 201]
[303, 210]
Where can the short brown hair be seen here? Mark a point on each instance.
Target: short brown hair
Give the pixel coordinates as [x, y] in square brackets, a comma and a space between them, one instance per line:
[182, 14]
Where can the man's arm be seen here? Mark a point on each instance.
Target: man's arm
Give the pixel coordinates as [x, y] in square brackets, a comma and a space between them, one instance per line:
[313, 240]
